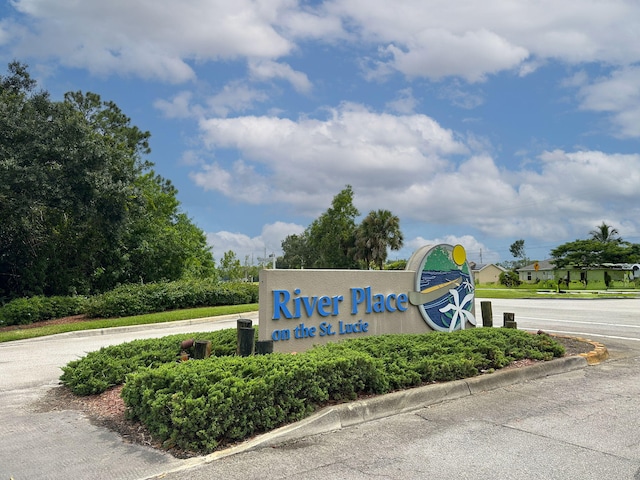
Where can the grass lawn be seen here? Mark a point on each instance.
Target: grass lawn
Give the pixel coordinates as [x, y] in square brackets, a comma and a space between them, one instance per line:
[499, 291]
[33, 330]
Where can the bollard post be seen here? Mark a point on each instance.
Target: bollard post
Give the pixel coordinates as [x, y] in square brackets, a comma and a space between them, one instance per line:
[201, 349]
[510, 320]
[487, 314]
[246, 336]
[264, 346]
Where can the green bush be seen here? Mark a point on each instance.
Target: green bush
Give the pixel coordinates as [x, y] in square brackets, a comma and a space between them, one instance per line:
[107, 367]
[23, 311]
[137, 299]
[202, 404]
[199, 405]
[509, 279]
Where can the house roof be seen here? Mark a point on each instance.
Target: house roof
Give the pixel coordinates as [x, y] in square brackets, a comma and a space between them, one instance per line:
[477, 267]
[543, 265]
[546, 265]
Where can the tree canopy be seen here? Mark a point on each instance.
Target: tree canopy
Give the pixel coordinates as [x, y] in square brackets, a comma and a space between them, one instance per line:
[604, 246]
[605, 234]
[81, 208]
[334, 240]
[378, 231]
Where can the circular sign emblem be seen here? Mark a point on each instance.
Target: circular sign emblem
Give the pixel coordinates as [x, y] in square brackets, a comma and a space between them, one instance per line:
[444, 288]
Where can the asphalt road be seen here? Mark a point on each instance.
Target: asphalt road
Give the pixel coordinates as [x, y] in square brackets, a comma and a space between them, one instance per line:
[582, 424]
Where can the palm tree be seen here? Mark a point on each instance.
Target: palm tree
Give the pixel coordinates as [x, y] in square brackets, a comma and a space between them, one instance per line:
[378, 231]
[605, 234]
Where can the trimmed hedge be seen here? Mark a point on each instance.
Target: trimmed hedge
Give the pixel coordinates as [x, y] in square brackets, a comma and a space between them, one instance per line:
[130, 299]
[138, 299]
[200, 405]
[23, 311]
[100, 370]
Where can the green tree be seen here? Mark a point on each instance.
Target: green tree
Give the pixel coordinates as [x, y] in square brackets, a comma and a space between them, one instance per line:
[331, 237]
[584, 253]
[605, 234]
[230, 267]
[81, 210]
[378, 232]
[509, 279]
[296, 252]
[518, 251]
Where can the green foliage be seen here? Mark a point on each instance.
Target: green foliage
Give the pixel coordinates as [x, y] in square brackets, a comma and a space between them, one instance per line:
[333, 240]
[606, 234]
[81, 210]
[509, 279]
[332, 236]
[594, 252]
[377, 232]
[396, 265]
[107, 367]
[230, 267]
[296, 252]
[23, 311]
[199, 405]
[136, 299]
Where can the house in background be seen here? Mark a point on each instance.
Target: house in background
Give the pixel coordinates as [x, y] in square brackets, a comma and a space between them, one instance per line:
[486, 272]
[537, 272]
[595, 276]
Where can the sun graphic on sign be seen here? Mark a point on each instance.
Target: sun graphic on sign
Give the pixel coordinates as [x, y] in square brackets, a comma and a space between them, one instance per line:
[459, 255]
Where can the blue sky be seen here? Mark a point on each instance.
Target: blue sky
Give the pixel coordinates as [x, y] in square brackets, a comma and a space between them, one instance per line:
[477, 123]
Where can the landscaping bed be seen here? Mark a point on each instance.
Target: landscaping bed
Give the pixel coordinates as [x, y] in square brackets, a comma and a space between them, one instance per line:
[108, 409]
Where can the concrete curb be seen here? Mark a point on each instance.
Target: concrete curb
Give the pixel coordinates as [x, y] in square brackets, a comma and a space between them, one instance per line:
[136, 328]
[348, 414]
[595, 356]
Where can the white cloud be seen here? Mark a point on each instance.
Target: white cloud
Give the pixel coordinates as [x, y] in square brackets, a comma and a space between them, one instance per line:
[432, 39]
[252, 248]
[268, 69]
[179, 106]
[404, 103]
[235, 97]
[472, 55]
[618, 94]
[301, 162]
[413, 164]
[474, 39]
[152, 39]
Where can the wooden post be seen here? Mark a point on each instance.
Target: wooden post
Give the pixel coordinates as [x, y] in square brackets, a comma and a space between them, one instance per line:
[246, 337]
[510, 320]
[487, 314]
[201, 349]
[246, 342]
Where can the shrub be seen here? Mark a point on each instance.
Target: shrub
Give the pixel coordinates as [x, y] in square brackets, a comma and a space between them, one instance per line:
[202, 404]
[199, 405]
[509, 279]
[23, 311]
[107, 367]
[137, 299]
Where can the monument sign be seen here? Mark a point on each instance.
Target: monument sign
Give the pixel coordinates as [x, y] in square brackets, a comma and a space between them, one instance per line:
[302, 308]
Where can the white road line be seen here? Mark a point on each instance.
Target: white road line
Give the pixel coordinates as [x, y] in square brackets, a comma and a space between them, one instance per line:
[621, 325]
[587, 335]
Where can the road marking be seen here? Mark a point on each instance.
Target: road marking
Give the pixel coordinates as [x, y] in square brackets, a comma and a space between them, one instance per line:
[621, 325]
[587, 335]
